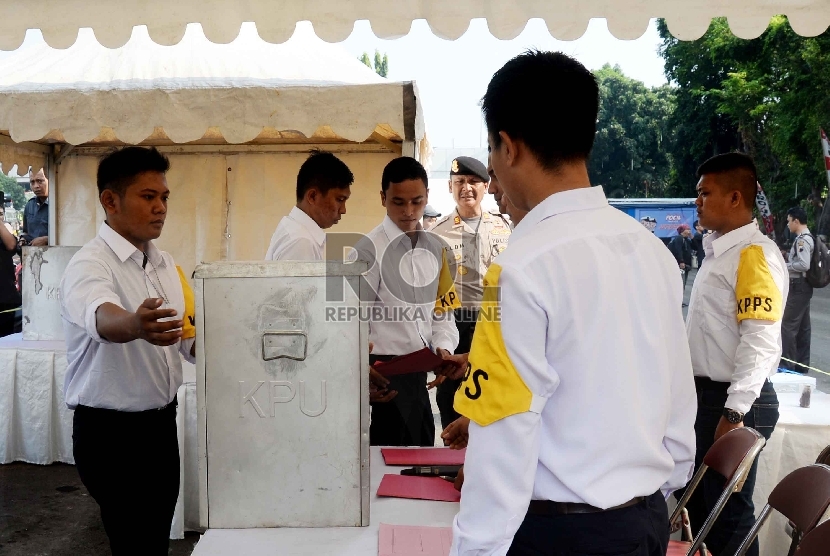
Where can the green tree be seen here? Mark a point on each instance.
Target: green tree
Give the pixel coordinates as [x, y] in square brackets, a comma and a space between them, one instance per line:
[15, 190]
[766, 97]
[630, 157]
[381, 63]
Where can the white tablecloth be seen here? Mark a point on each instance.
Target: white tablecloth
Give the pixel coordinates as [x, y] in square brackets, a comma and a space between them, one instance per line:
[36, 426]
[340, 541]
[799, 437]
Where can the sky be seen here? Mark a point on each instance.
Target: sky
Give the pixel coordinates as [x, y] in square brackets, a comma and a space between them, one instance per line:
[452, 76]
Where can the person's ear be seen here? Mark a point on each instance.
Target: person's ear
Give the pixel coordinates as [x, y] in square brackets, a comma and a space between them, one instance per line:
[383, 199]
[110, 201]
[510, 148]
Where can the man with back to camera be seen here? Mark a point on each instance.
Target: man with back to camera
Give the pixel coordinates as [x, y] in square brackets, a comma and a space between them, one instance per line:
[795, 326]
[410, 285]
[581, 417]
[323, 187]
[474, 237]
[127, 313]
[734, 331]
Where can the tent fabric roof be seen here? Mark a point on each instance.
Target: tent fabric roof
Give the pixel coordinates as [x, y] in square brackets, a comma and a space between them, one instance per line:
[333, 21]
[238, 92]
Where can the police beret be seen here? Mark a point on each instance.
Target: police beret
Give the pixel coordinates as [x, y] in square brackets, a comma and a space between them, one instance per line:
[469, 166]
[430, 212]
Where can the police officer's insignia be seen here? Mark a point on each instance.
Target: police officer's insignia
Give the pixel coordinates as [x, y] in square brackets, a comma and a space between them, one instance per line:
[501, 247]
[457, 220]
[455, 166]
[458, 257]
[462, 270]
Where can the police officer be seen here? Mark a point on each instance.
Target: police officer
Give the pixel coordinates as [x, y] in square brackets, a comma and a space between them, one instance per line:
[581, 417]
[474, 237]
[734, 331]
[795, 328]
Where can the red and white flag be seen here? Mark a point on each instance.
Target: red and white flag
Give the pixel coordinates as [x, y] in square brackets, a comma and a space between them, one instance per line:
[763, 209]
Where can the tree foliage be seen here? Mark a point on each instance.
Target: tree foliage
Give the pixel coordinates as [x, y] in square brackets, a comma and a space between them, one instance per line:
[15, 191]
[631, 157]
[767, 97]
[381, 66]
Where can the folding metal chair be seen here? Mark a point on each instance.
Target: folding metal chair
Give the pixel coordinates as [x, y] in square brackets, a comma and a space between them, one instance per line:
[790, 528]
[816, 542]
[802, 497]
[732, 456]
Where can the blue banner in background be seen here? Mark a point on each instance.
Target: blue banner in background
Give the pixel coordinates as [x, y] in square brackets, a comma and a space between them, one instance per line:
[668, 219]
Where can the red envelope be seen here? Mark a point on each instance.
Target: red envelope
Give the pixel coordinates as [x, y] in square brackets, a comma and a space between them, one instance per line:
[420, 361]
[423, 456]
[418, 488]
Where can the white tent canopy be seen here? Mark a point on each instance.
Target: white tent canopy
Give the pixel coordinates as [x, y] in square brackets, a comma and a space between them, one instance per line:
[112, 22]
[200, 91]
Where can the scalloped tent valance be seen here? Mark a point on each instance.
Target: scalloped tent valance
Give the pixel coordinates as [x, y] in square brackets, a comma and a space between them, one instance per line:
[113, 22]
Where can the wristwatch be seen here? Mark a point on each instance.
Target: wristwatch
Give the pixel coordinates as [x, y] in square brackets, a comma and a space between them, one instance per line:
[733, 416]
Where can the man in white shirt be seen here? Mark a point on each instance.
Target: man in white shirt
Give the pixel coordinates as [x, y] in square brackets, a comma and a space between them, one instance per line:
[323, 187]
[734, 330]
[579, 385]
[412, 298]
[128, 315]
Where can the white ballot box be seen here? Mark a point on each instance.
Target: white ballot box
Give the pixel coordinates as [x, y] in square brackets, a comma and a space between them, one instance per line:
[41, 275]
[283, 395]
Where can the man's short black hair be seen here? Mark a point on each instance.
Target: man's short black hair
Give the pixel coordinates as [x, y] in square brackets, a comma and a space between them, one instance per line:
[695, 225]
[798, 213]
[402, 169]
[549, 101]
[118, 169]
[744, 175]
[323, 171]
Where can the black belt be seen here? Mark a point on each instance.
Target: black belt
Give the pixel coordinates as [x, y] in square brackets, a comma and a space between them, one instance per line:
[547, 507]
[114, 413]
[705, 383]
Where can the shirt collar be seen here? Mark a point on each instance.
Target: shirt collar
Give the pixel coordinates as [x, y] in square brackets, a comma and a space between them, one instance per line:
[719, 244]
[317, 233]
[124, 250]
[583, 198]
[393, 233]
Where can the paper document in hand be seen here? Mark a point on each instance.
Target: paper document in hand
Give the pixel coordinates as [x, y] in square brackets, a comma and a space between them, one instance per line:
[418, 488]
[423, 456]
[421, 361]
[407, 540]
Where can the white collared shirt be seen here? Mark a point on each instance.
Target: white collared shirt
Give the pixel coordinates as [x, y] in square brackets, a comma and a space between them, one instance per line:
[404, 300]
[591, 342]
[743, 353]
[134, 376]
[297, 238]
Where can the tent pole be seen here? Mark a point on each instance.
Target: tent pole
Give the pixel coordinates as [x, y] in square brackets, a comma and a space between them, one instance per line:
[51, 175]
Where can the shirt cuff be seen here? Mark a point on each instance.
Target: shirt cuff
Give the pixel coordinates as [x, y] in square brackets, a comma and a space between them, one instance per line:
[740, 401]
[91, 320]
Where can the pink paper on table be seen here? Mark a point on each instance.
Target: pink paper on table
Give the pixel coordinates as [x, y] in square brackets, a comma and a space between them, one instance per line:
[406, 540]
[423, 456]
[418, 488]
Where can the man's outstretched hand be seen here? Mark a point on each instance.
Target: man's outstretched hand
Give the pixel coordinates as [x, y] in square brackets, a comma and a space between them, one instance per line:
[454, 366]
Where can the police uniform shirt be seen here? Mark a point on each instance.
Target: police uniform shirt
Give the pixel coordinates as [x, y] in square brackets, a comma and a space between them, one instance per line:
[413, 304]
[801, 254]
[579, 387]
[470, 251]
[297, 238]
[133, 376]
[734, 318]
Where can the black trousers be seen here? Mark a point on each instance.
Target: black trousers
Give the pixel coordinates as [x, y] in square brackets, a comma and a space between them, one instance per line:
[738, 515]
[795, 326]
[640, 530]
[7, 319]
[129, 462]
[465, 321]
[407, 419]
